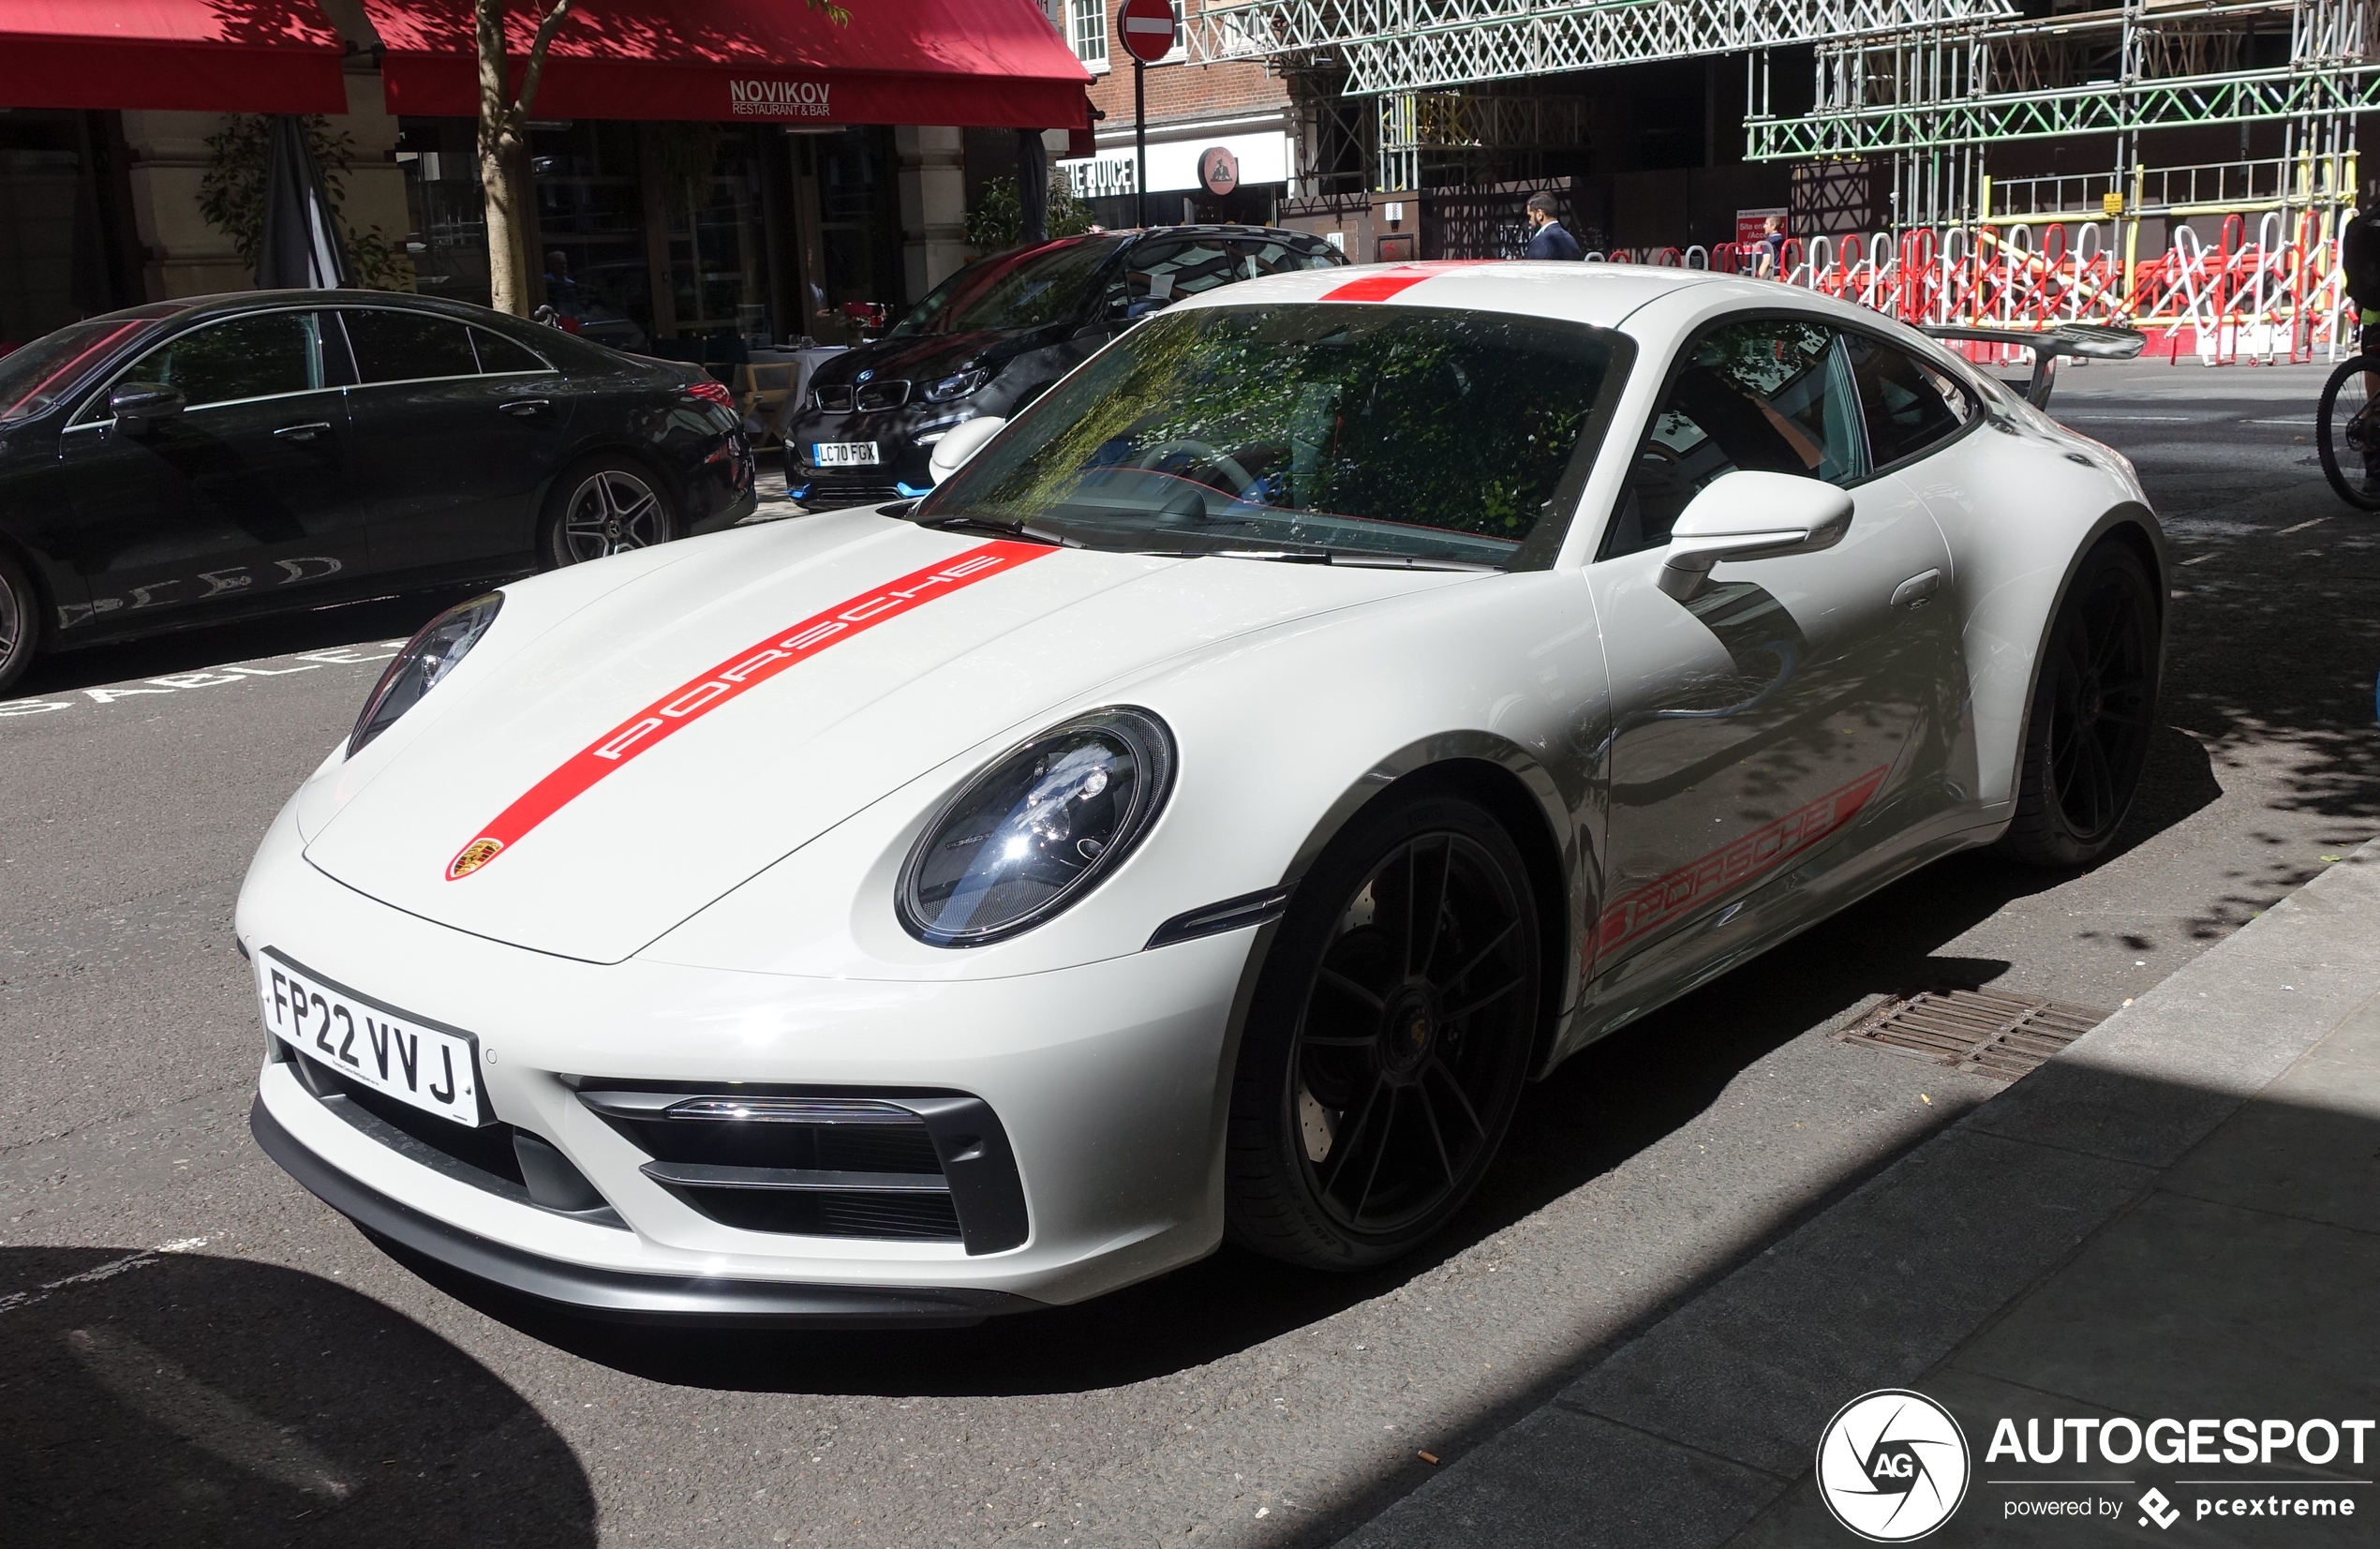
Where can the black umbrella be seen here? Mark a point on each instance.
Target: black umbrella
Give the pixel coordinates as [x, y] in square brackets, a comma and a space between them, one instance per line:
[1032, 187]
[300, 248]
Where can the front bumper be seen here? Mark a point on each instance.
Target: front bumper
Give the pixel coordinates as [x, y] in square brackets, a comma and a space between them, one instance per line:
[1105, 1080]
[905, 466]
[701, 1300]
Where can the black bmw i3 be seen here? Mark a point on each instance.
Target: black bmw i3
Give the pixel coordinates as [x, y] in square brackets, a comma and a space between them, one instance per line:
[989, 339]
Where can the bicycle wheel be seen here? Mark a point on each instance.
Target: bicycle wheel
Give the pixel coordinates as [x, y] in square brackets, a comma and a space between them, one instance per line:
[2347, 431]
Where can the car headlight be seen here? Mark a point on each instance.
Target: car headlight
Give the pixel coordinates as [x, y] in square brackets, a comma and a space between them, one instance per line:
[424, 661]
[956, 387]
[1038, 828]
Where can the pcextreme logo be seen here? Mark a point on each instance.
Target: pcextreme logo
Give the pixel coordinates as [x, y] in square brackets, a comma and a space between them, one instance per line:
[1892, 1466]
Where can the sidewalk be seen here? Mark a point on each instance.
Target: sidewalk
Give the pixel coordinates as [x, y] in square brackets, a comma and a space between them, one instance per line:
[2179, 1216]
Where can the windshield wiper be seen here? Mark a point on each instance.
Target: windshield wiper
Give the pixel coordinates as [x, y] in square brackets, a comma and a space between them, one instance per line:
[1353, 558]
[1007, 529]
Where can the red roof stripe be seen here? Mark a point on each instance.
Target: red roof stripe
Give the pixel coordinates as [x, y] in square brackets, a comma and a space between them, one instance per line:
[1382, 284]
[738, 675]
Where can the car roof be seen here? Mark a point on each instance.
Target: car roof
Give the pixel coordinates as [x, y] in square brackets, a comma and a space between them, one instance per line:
[1601, 295]
[223, 302]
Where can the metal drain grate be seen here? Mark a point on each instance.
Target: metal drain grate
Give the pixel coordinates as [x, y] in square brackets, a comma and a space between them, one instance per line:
[1984, 1031]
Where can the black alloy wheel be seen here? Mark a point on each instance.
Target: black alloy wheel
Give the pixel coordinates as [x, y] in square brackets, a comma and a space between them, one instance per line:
[605, 507]
[1389, 1037]
[2347, 431]
[2094, 707]
[19, 622]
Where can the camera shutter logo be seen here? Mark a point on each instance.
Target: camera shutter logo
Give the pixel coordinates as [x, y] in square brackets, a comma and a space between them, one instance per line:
[1892, 1466]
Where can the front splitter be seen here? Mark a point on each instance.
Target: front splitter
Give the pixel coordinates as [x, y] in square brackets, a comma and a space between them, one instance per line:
[618, 1295]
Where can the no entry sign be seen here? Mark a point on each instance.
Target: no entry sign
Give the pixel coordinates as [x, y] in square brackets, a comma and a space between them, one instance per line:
[1146, 27]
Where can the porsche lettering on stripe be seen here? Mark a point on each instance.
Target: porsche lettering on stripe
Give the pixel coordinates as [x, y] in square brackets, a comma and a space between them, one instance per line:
[1389, 282]
[747, 669]
[1667, 898]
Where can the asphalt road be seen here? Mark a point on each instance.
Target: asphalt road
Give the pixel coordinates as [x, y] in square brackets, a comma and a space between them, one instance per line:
[193, 1350]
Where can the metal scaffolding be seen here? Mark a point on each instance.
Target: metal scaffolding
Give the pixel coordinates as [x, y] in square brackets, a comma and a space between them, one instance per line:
[1922, 88]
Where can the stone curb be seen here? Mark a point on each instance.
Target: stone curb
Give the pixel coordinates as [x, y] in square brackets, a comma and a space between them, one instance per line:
[1680, 1438]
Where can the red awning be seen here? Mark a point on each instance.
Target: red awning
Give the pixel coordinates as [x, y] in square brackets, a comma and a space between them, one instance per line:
[261, 56]
[969, 63]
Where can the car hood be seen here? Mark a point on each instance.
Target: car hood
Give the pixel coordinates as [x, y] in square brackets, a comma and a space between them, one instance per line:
[899, 648]
[928, 357]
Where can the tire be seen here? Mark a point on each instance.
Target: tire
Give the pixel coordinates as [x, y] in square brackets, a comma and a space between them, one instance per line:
[604, 506]
[1380, 1071]
[19, 622]
[2344, 426]
[2094, 709]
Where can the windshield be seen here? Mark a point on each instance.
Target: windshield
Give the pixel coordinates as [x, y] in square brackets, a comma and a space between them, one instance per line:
[1382, 430]
[1020, 290]
[37, 375]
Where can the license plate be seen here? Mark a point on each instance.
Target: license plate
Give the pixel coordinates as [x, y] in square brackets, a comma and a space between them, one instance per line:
[842, 454]
[434, 1068]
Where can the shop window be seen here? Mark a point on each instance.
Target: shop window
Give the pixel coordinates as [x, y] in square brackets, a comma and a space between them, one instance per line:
[66, 250]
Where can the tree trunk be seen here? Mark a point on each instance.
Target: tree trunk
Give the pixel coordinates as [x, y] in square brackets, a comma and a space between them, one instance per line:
[500, 151]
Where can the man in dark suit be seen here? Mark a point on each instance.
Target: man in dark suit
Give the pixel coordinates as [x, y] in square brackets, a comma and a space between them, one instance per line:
[1547, 240]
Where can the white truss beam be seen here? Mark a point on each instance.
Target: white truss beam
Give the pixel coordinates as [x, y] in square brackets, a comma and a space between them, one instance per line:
[1411, 45]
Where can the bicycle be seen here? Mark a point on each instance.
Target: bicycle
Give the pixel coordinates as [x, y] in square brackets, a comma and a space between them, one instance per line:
[2347, 432]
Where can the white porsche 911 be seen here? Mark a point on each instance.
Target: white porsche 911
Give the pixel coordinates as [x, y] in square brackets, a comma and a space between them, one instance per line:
[1333, 705]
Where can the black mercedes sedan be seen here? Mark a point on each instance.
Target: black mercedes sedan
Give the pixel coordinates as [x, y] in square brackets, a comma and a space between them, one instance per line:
[992, 337]
[194, 461]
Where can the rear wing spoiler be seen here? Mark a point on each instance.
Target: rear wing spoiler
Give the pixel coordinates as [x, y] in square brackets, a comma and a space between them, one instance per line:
[2086, 340]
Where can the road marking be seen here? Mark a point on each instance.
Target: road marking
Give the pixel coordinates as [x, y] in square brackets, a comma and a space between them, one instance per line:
[2299, 424]
[2300, 526]
[2132, 419]
[2200, 560]
[17, 1301]
[205, 1416]
[208, 677]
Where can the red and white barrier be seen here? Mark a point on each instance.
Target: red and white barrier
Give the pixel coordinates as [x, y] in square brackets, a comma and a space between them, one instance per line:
[2270, 294]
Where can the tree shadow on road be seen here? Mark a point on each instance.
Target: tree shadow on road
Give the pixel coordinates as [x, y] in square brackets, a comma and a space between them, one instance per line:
[176, 1399]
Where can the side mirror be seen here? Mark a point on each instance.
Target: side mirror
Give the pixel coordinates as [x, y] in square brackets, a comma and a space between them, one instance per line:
[962, 442]
[138, 403]
[1749, 515]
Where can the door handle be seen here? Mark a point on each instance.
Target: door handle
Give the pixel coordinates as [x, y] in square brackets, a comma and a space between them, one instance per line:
[526, 407]
[1918, 589]
[303, 432]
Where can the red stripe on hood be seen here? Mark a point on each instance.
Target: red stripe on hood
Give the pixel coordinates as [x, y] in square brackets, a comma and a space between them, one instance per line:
[1389, 282]
[740, 673]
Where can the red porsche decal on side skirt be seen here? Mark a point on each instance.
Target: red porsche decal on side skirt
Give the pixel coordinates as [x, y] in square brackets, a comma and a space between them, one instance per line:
[745, 670]
[1666, 899]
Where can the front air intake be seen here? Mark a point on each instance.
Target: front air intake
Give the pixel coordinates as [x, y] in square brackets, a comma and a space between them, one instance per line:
[821, 1162]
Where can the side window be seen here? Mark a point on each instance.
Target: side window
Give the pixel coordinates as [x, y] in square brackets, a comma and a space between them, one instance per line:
[1773, 394]
[1161, 273]
[395, 347]
[499, 354]
[259, 356]
[1910, 405]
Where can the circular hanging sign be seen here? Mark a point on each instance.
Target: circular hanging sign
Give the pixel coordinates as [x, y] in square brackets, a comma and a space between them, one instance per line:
[1218, 169]
[1146, 27]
